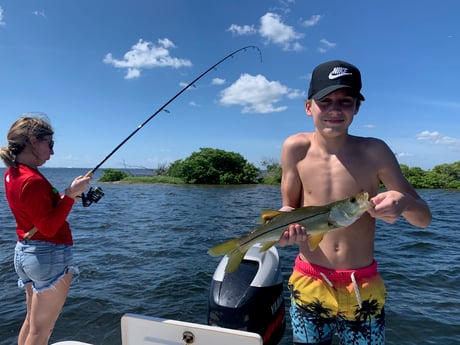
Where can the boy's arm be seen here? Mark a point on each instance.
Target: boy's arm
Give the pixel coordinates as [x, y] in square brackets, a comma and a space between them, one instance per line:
[291, 192]
[291, 185]
[400, 197]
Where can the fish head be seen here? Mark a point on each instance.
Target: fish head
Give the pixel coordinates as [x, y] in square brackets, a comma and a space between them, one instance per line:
[347, 211]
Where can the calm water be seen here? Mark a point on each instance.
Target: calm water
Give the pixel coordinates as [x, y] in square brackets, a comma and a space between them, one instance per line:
[142, 249]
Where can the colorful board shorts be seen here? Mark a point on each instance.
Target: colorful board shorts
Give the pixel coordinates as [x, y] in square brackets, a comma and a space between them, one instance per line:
[349, 303]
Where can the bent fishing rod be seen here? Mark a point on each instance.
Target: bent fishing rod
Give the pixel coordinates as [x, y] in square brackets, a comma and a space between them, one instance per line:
[94, 195]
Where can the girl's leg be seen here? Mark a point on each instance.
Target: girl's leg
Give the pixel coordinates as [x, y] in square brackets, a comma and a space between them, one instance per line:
[45, 308]
[25, 326]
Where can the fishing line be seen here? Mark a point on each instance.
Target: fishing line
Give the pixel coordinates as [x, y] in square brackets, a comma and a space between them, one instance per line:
[94, 195]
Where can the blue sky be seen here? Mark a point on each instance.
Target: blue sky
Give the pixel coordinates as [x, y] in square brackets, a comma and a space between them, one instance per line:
[99, 69]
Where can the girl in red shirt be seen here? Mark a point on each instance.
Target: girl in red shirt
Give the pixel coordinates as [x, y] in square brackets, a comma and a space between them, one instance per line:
[43, 253]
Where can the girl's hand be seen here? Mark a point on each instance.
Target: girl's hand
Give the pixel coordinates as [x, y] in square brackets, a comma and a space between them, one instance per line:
[77, 187]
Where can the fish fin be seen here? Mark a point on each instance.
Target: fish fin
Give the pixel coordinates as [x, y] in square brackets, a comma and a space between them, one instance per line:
[233, 252]
[234, 261]
[266, 246]
[314, 240]
[224, 248]
[268, 215]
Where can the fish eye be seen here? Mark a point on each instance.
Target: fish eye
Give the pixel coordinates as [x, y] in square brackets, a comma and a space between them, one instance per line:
[353, 199]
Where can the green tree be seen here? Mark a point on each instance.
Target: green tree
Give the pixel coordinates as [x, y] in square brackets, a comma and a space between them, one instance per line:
[272, 174]
[112, 175]
[452, 170]
[162, 169]
[417, 177]
[444, 176]
[447, 175]
[214, 166]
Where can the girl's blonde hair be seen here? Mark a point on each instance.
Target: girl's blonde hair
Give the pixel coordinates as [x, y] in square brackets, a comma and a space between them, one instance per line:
[19, 136]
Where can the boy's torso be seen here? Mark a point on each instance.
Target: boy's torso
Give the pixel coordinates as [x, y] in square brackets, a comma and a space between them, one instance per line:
[331, 176]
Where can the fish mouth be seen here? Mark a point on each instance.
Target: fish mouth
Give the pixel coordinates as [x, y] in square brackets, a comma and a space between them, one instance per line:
[365, 202]
[370, 205]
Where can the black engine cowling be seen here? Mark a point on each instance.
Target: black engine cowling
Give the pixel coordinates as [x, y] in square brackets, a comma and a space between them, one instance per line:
[250, 299]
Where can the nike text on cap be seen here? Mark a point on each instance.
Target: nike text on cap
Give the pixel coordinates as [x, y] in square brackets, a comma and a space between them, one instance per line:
[334, 75]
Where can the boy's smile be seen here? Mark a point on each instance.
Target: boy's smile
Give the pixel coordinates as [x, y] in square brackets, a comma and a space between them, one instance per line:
[334, 109]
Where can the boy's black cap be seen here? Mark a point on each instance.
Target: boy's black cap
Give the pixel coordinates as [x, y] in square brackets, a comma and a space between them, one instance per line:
[333, 75]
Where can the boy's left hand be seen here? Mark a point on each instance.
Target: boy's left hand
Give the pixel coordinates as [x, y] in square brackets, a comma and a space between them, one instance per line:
[389, 206]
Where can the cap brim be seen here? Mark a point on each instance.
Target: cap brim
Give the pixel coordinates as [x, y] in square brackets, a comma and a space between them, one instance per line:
[324, 92]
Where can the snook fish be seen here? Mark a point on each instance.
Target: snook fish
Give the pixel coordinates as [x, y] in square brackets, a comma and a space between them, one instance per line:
[316, 219]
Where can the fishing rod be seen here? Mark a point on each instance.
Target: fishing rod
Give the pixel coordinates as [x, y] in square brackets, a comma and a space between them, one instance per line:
[94, 195]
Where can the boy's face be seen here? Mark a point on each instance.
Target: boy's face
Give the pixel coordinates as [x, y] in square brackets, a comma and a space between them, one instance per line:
[335, 110]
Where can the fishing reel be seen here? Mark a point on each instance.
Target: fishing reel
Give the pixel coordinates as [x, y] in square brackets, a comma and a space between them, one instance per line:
[93, 195]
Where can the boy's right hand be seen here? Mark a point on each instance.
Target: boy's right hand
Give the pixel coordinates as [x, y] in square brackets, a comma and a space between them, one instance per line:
[294, 234]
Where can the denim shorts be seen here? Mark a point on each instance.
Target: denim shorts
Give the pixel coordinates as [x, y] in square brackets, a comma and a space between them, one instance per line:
[42, 263]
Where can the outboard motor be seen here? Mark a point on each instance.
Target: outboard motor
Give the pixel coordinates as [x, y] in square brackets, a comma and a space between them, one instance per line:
[251, 298]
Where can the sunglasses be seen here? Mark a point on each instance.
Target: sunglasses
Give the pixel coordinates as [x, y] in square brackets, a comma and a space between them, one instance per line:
[50, 143]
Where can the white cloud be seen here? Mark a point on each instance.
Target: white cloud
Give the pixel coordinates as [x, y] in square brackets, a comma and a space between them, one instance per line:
[273, 30]
[144, 55]
[403, 154]
[183, 84]
[312, 21]
[2, 21]
[39, 13]
[133, 73]
[218, 81]
[437, 138]
[295, 93]
[244, 30]
[325, 45]
[256, 94]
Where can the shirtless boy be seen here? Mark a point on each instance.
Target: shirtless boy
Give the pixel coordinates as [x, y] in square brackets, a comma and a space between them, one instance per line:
[336, 288]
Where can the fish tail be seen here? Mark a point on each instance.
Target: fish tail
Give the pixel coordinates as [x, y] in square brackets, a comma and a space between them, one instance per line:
[224, 248]
[234, 261]
[232, 250]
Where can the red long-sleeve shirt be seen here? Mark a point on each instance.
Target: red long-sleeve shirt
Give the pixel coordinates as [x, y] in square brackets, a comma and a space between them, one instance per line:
[35, 202]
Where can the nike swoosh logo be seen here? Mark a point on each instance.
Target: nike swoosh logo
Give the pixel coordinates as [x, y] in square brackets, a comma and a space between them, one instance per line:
[333, 75]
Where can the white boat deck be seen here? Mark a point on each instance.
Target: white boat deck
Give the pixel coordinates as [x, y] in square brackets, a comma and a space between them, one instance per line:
[145, 330]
